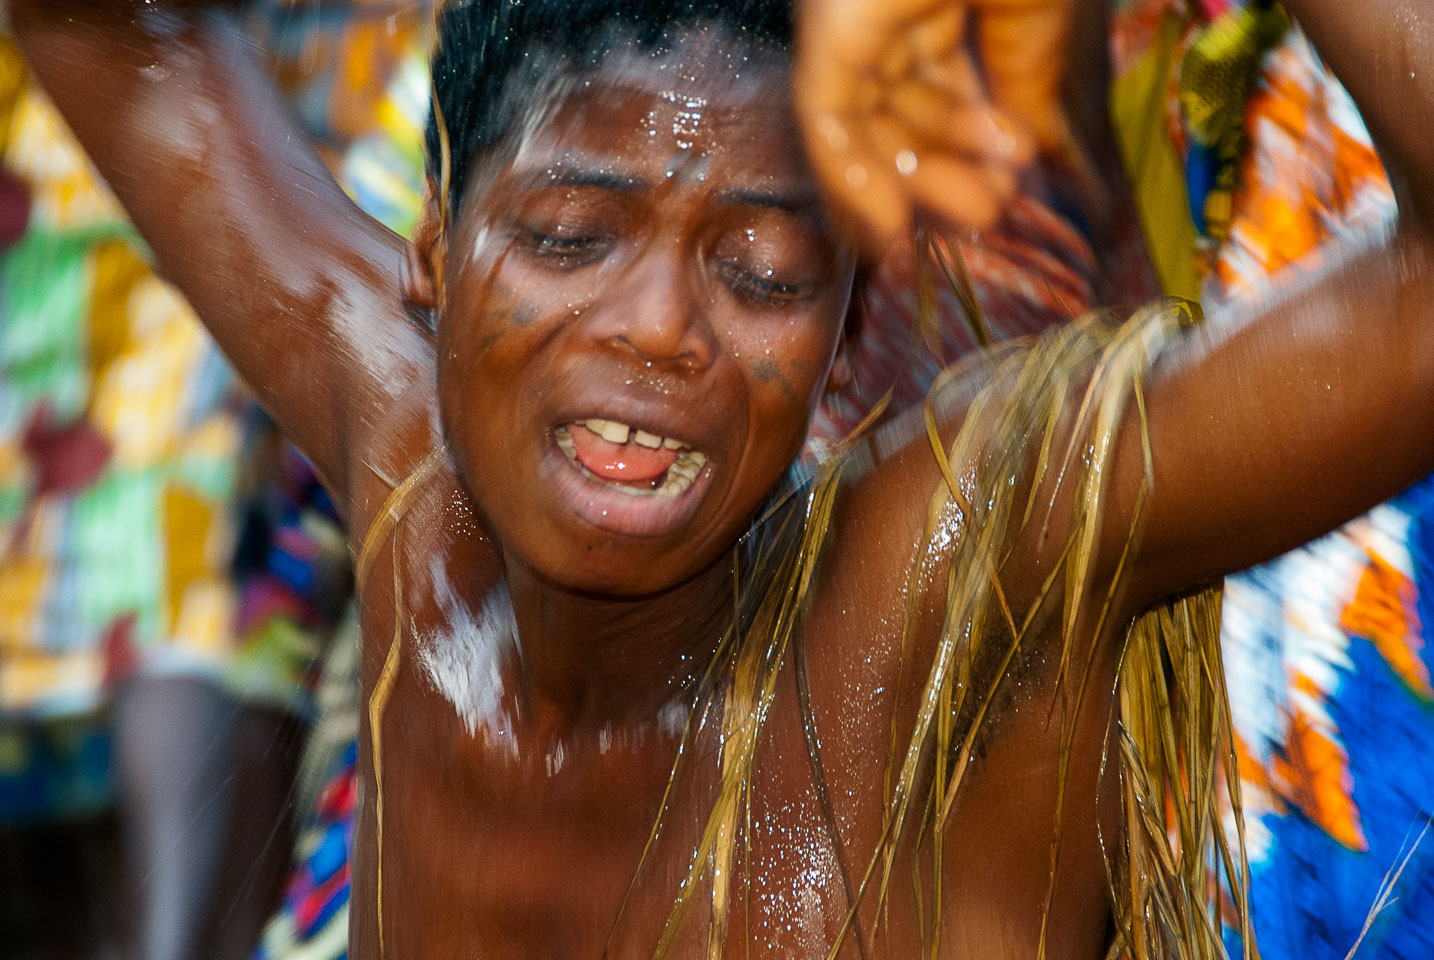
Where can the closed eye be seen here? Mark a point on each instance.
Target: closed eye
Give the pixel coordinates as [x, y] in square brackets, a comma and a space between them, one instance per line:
[760, 286]
[565, 250]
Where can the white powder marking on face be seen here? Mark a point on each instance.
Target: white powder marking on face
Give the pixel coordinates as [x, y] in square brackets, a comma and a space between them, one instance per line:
[481, 238]
[463, 662]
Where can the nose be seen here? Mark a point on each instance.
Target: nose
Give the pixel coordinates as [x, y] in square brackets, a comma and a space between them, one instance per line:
[656, 311]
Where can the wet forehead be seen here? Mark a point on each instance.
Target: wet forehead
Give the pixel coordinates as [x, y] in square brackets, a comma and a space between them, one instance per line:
[704, 110]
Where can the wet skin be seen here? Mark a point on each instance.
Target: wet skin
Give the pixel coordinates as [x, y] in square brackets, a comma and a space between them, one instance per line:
[580, 280]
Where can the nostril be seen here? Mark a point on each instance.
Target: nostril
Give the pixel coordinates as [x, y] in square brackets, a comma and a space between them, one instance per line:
[687, 359]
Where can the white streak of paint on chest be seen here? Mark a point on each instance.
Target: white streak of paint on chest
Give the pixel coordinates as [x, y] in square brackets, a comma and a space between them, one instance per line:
[463, 659]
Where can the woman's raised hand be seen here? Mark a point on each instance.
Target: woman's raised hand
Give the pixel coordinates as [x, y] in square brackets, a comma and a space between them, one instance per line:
[901, 123]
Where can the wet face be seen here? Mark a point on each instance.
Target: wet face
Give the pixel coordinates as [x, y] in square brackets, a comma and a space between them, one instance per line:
[643, 306]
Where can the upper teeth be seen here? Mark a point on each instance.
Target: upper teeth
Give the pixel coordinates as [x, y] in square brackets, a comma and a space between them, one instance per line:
[609, 430]
[614, 431]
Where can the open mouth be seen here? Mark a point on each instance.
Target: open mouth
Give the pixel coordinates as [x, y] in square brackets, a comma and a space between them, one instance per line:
[628, 459]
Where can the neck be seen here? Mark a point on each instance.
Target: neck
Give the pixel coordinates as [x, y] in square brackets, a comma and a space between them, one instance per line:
[588, 661]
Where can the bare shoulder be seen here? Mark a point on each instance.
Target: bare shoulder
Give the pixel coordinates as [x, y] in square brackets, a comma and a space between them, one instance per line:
[958, 518]
[875, 628]
[903, 510]
[875, 612]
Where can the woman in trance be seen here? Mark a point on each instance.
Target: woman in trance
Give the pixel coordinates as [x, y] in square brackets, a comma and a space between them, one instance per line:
[632, 684]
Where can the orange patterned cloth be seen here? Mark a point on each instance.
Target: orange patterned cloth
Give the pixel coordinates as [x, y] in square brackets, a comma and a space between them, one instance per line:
[1310, 179]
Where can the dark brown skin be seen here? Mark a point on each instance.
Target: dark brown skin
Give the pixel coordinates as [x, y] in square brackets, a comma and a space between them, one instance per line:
[641, 298]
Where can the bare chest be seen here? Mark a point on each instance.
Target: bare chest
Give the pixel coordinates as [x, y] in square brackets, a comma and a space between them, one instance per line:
[483, 833]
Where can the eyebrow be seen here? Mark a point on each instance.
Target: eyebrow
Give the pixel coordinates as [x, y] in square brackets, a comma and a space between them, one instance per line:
[799, 202]
[572, 175]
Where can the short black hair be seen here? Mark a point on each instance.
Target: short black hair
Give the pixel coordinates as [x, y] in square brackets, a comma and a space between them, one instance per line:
[484, 44]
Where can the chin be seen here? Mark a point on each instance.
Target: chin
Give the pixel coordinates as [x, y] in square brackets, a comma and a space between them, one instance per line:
[615, 570]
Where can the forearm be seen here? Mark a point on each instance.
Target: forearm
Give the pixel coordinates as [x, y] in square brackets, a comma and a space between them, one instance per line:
[172, 105]
[1275, 424]
[1281, 420]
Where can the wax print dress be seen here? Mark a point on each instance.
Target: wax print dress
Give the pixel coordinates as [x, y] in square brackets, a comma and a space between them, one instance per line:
[122, 435]
[119, 433]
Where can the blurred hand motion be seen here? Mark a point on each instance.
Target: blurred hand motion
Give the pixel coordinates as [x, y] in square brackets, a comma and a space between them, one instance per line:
[925, 111]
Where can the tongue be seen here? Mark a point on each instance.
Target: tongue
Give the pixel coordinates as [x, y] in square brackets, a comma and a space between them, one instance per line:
[623, 462]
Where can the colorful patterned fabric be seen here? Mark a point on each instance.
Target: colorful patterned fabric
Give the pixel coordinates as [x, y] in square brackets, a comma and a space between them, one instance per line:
[118, 436]
[1330, 692]
[313, 924]
[357, 72]
[1309, 182]
[1184, 73]
[291, 569]
[1324, 647]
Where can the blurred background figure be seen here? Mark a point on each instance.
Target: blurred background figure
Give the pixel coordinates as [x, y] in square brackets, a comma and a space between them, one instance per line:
[168, 572]
[119, 438]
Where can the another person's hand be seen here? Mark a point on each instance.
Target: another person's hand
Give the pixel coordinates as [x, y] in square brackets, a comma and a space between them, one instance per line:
[902, 125]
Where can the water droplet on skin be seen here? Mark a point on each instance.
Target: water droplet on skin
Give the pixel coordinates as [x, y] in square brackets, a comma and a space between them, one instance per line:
[856, 176]
[906, 163]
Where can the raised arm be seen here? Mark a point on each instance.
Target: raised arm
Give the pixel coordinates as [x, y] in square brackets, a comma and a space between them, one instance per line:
[298, 286]
[1268, 427]
[1272, 427]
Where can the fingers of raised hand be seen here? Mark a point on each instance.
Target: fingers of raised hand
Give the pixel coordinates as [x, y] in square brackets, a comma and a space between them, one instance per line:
[897, 121]
[1024, 49]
